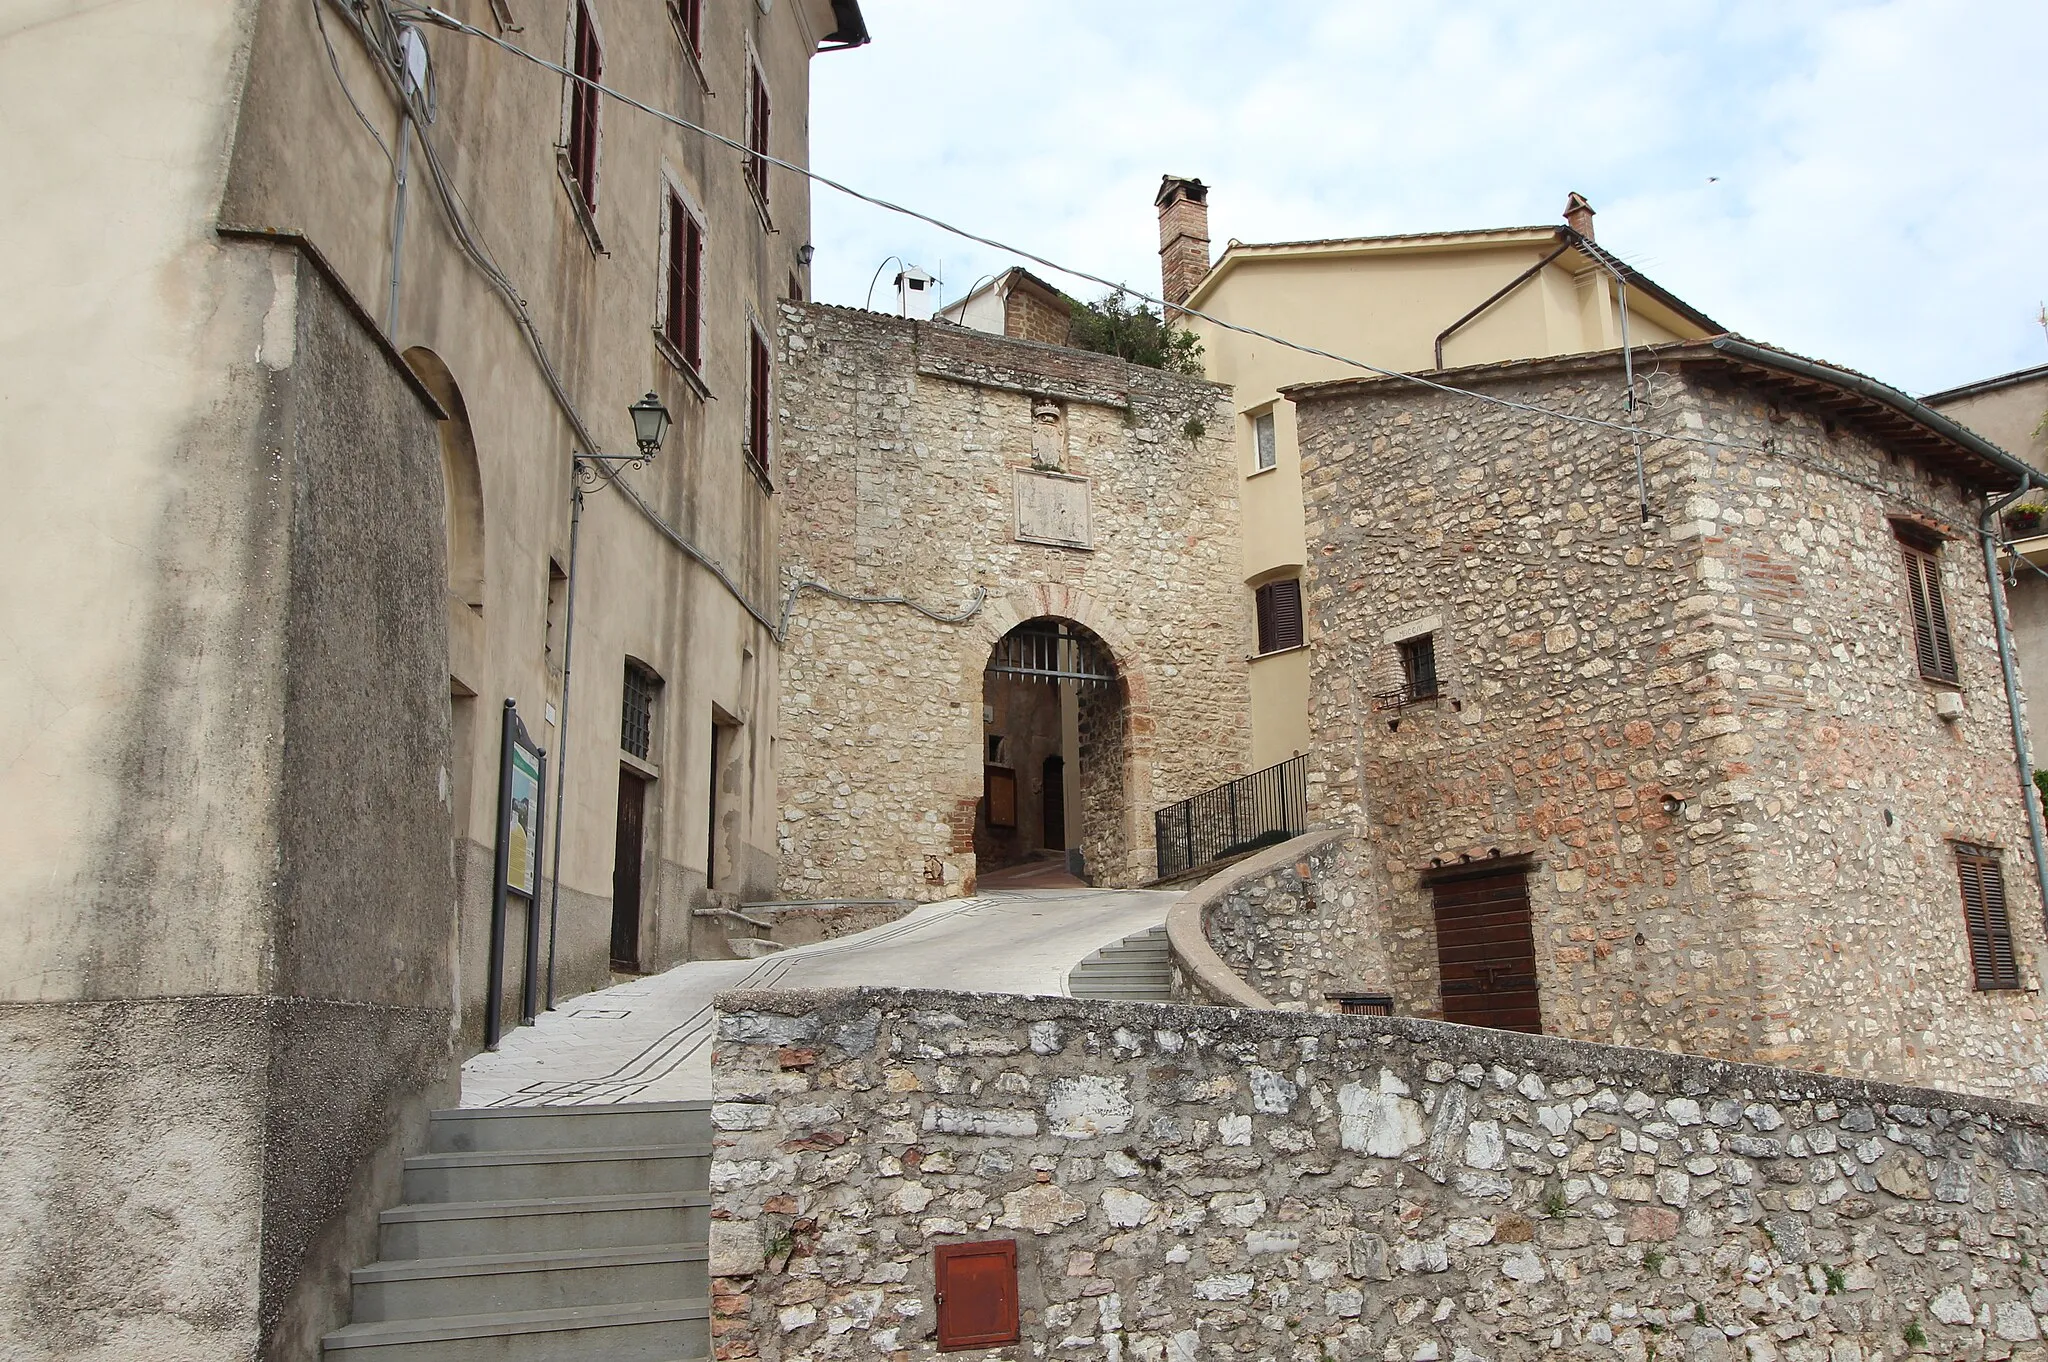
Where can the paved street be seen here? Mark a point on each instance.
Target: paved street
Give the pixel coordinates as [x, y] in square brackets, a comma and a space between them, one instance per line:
[649, 1040]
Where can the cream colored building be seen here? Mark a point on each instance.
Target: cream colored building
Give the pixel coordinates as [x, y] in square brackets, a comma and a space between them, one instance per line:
[291, 379]
[1406, 303]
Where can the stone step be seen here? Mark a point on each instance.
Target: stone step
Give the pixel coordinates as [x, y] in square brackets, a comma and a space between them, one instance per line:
[507, 1175]
[476, 1129]
[545, 1224]
[753, 947]
[654, 1331]
[427, 1288]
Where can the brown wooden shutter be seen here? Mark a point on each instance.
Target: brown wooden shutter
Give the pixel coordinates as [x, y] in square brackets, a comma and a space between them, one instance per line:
[1279, 612]
[1933, 648]
[976, 1286]
[583, 108]
[674, 281]
[758, 113]
[1992, 959]
[757, 404]
[692, 342]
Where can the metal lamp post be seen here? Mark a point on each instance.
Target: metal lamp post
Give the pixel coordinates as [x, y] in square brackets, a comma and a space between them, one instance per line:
[651, 422]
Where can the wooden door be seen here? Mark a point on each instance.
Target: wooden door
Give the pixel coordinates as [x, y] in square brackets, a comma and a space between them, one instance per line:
[626, 872]
[1486, 951]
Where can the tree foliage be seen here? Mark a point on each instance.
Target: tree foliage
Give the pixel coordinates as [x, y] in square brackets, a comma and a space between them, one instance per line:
[1117, 325]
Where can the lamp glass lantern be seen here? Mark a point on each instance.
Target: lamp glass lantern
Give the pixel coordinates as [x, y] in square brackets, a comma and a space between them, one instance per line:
[650, 424]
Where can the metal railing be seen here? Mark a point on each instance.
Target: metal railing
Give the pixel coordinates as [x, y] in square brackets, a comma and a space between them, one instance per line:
[1239, 815]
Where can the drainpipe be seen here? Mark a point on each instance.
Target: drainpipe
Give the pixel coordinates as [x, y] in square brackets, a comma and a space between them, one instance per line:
[562, 719]
[2024, 759]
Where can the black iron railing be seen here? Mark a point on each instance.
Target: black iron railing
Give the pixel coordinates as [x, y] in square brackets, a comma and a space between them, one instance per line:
[1239, 815]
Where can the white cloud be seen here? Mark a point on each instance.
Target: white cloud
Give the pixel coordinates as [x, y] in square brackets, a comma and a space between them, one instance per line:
[1880, 197]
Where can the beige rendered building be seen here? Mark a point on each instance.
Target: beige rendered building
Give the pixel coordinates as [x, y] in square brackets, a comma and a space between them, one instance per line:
[2011, 411]
[1406, 303]
[304, 314]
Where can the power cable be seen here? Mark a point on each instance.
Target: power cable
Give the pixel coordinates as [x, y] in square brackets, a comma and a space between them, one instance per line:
[428, 14]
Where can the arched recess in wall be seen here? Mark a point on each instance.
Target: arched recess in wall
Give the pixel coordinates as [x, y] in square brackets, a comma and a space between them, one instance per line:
[462, 484]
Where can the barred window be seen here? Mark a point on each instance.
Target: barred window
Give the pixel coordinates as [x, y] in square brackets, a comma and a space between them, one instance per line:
[636, 727]
[1418, 667]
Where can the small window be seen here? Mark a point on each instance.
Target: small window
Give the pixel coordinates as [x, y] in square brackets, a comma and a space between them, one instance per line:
[759, 114]
[976, 1289]
[636, 727]
[1992, 959]
[682, 322]
[1279, 609]
[1932, 647]
[688, 17]
[757, 402]
[1262, 437]
[1418, 667]
[587, 60]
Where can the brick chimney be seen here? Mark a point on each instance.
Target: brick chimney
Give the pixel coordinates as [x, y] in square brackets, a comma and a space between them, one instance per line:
[1183, 236]
[1578, 215]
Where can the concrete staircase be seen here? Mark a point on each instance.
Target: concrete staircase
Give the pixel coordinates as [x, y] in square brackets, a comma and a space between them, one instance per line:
[1136, 969]
[544, 1234]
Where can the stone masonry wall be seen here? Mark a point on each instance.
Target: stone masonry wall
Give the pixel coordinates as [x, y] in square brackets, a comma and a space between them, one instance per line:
[1710, 732]
[900, 442]
[1280, 929]
[1192, 1183]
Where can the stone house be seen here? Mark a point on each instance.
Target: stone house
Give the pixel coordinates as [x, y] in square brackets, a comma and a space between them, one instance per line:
[317, 303]
[1405, 302]
[1015, 303]
[1737, 778]
[1004, 640]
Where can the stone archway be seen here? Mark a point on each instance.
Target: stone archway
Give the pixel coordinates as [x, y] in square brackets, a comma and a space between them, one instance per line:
[1107, 751]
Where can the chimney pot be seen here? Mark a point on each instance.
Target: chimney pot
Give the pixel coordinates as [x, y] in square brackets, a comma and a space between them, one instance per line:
[1578, 214]
[1183, 206]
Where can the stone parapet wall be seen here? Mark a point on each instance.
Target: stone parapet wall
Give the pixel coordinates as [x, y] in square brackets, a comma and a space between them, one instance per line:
[1197, 1182]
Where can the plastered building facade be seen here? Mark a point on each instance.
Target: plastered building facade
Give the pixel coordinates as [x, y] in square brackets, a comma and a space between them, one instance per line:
[293, 523]
[1705, 745]
[994, 483]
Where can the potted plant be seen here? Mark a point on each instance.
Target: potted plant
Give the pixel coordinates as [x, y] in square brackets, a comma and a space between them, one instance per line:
[2023, 521]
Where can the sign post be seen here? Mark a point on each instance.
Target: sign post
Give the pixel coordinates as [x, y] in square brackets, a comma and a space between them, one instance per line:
[522, 813]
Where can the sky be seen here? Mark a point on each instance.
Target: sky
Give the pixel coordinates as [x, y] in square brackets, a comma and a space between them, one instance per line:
[1866, 183]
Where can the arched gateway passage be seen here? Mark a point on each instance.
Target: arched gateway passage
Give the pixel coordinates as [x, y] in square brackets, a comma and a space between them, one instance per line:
[1055, 750]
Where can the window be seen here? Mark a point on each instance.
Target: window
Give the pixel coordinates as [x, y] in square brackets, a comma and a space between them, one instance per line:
[688, 17]
[682, 319]
[758, 117]
[1262, 437]
[1418, 667]
[1932, 647]
[636, 723]
[756, 442]
[1991, 954]
[587, 60]
[1279, 605]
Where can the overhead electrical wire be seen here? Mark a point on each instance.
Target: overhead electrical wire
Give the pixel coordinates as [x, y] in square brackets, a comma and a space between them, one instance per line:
[428, 14]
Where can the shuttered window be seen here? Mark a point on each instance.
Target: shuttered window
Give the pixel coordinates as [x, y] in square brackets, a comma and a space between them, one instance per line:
[758, 116]
[1279, 605]
[1933, 649]
[588, 62]
[688, 17]
[1992, 960]
[757, 403]
[976, 1286]
[682, 324]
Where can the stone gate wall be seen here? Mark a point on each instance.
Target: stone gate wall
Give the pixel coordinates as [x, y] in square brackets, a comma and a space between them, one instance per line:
[903, 446]
[1192, 1183]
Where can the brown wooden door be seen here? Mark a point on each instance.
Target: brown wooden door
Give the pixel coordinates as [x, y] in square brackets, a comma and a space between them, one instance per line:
[1053, 793]
[1486, 951]
[626, 872]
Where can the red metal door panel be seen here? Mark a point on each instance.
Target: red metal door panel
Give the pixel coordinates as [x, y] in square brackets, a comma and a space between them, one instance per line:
[977, 1294]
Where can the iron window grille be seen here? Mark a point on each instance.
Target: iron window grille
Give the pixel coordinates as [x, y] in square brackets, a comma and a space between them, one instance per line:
[1419, 682]
[636, 726]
